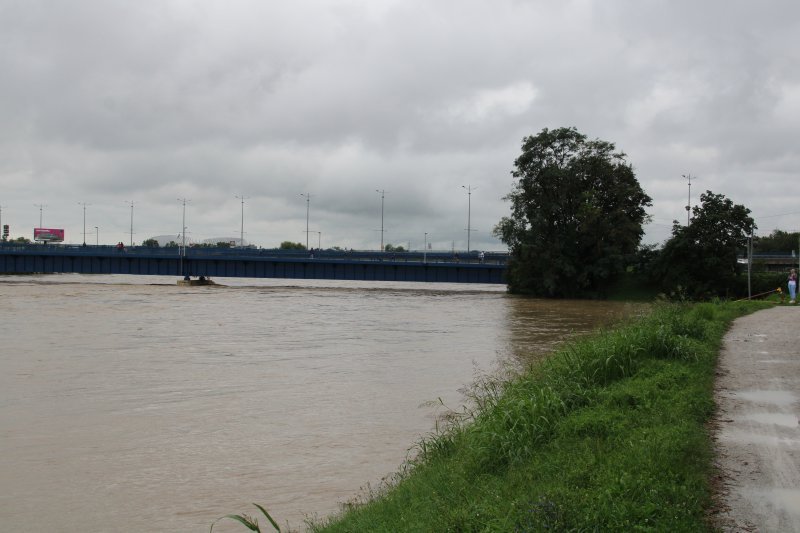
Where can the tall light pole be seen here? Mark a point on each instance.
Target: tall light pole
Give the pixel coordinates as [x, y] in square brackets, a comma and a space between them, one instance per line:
[241, 238]
[84, 204]
[97, 236]
[383, 195]
[131, 203]
[41, 207]
[319, 242]
[425, 249]
[183, 234]
[183, 224]
[689, 202]
[1, 217]
[307, 196]
[469, 190]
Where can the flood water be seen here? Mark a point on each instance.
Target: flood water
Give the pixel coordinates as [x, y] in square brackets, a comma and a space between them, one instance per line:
[129, 403]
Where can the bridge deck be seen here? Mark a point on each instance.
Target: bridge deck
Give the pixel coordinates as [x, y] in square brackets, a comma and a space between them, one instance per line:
[256, 263]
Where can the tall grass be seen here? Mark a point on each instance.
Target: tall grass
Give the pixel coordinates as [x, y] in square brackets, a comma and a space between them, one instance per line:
[607, 433]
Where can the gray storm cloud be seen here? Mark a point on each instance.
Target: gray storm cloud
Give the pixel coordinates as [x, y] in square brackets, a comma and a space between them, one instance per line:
[111, 102]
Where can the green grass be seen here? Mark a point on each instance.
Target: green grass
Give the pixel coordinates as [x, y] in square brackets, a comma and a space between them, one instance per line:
[606, 434]
[632, 288]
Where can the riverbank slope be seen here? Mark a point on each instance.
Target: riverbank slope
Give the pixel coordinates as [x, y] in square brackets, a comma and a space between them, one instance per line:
[609, 433]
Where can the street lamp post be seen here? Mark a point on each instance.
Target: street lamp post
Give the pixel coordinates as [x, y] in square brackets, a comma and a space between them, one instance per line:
[41, 207]
[183, 224]
[383, 194]
[469, 190]
[131, 203]
[319, 241]
[96, 236]
[425, 249]
[183, 236]
[84, 204]
[241, 237]
[307, 196]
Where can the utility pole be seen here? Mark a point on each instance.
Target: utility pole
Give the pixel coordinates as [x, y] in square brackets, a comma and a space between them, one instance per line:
[425, 249]
[241, 238]
[469, 211]
[689, 202]
[383, 194]
[749, 264]
[84, 204]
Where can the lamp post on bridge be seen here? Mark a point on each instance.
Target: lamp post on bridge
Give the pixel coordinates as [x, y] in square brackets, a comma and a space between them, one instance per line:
[131, 204]
[1, 219]
[182, 253]
[96, 236]
[383, 194]
[308, 209]
[84, 204]
[241, 236]
[469, 190]
[425, 249]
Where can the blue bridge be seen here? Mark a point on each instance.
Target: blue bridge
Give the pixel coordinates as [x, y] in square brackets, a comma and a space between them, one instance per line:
[436, 267]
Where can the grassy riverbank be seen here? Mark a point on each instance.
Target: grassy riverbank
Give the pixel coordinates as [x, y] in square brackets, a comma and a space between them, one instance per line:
[607, 434]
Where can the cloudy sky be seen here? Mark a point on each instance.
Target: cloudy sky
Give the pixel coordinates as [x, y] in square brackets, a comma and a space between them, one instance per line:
[108, 102]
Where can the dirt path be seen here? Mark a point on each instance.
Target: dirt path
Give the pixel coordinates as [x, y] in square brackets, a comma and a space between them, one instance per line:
[758, 430]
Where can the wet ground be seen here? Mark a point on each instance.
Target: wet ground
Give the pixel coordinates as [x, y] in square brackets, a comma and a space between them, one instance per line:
[757, 426]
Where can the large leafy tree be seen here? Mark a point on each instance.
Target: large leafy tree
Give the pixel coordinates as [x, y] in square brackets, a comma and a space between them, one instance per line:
[577, 211]
[701, 259]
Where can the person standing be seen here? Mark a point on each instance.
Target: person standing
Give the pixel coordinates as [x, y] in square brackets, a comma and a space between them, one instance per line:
[792, 285]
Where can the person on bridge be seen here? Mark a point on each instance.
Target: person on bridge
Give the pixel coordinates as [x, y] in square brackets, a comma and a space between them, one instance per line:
[792, 285]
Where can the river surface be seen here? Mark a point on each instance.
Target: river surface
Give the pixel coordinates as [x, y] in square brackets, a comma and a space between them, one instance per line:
[128, 403]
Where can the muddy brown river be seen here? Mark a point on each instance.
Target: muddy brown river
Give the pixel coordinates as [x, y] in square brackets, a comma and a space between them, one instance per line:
[129, 403]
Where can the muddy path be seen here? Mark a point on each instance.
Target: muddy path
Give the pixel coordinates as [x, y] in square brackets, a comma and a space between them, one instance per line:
[757, 429]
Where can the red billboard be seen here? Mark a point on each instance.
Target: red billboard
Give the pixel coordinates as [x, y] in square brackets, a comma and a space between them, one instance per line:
[48, 234]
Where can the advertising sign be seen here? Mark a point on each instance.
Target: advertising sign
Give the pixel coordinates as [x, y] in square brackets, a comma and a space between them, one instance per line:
[48, 235]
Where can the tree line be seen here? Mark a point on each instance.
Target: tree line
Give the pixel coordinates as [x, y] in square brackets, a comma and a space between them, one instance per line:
[576, 224]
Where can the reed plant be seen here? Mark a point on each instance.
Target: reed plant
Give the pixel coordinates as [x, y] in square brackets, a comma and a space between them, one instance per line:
[248, 521]
[608, 433]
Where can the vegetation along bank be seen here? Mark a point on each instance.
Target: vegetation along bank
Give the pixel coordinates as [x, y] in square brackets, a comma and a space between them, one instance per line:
[608, 433]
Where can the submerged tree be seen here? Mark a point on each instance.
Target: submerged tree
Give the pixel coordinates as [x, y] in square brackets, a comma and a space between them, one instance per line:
[577, 211]
[701, 258]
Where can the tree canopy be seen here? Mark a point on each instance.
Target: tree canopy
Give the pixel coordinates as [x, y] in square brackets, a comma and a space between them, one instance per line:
[577, 211]
[779, 241]
[289, 245]
[701, 259]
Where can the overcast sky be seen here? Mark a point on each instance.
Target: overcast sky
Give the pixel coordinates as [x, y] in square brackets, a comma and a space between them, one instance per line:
[110, 101]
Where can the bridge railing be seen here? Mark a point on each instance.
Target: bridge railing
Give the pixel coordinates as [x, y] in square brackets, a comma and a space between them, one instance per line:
[496, 258]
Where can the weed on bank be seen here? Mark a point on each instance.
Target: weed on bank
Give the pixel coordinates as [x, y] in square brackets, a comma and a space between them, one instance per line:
[609, 433]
